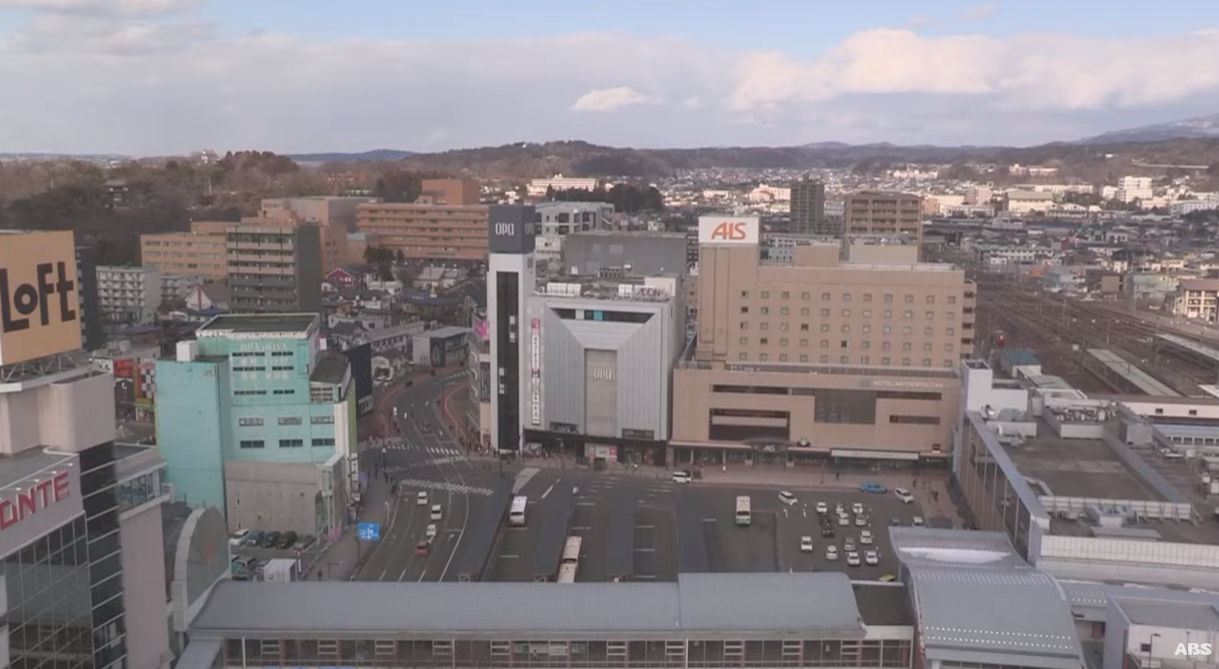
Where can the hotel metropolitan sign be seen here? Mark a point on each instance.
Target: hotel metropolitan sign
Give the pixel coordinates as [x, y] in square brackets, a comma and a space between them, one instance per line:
[901, 384]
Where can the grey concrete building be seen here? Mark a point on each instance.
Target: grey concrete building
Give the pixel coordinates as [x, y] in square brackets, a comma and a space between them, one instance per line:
[274, 269]
[600, 355]
[808, 209]
[622, 254]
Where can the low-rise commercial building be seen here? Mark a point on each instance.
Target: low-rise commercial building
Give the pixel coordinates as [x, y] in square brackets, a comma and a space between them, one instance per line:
[821, 358]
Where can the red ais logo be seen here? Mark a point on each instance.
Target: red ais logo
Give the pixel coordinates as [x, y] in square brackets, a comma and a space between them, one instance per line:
[730, 231]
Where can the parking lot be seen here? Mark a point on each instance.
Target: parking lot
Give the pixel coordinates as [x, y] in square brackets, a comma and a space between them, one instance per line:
[670, 527]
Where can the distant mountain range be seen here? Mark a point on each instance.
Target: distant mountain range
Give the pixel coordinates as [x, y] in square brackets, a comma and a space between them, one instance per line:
[363, 157]
[1201, 127]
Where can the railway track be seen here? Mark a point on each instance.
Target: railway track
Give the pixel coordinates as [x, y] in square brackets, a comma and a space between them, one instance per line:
[1061, 329]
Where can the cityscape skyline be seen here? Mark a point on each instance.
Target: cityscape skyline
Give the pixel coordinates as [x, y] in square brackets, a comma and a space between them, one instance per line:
[161, 77]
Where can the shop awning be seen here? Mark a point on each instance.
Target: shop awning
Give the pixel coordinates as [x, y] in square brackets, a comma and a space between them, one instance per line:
[873, 455]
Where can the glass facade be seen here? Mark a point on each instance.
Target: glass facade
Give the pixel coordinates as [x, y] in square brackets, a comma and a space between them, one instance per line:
[139, 490]
[47, 588]
[992, 500]
[268, 652]
[101, 502]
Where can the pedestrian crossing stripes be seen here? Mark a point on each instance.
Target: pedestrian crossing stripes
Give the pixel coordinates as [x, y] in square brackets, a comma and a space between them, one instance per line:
[444, 487]
[430, 450]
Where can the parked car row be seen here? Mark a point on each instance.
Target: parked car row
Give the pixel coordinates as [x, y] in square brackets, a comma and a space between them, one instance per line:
[248, 538]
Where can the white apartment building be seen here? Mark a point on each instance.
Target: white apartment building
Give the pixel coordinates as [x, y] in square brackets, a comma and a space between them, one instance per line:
[764, 194]
[979, 195]
[175, 286]
[1183, 207]
[538, 187]
[128, 294]
[1196, 299]
[1130, 189]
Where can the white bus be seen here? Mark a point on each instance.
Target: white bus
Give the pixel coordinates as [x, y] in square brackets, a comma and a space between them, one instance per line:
[516, 514]
[570, 563]
[744, 512]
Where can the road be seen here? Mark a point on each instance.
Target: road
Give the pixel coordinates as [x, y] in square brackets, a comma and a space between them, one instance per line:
[429, 459]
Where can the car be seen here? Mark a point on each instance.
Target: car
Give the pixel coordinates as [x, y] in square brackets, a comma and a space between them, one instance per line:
[853, 560]
[895, 522]
[426, 427]
[831, 552]
[806, 544]
[872, 558]
[839, 508]
[787, 497]
[857, 508]
[865, 538]
[238, 538]
[887, 578]
[682, 476]
[253, 538]
[421, 548]
[430, 533]
[873, 488]
[861, 521]
[844, 520]
[827, 530]
[269, 540]
[904, 495]
[917, 521]
[286, 540]
[848, 544]
[421, 498]
[823, 508]
[437, 512]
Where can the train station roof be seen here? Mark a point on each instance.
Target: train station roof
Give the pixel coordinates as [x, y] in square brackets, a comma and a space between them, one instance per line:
[697, 604]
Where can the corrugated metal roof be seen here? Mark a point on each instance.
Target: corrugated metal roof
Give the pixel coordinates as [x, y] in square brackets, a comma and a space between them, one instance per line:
[697, 603]
[1179, 615]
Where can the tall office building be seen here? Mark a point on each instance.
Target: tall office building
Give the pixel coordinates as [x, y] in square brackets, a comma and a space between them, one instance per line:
[274, 269]
[70, 540]
[92, 337]
[808, 209]
[511, 279]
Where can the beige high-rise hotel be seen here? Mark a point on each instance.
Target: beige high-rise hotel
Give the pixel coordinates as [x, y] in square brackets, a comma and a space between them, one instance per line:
[845, 355]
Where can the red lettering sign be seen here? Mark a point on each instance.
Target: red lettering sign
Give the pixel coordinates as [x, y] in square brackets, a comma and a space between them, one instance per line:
[730, 232]
[30, 501]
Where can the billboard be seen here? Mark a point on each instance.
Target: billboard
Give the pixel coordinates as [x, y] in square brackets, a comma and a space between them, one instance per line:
[481, 329]
[484, 381]
[535, 372]
[39, 296]
[511, 228]
[728, 230]
[45, 500]
[360, 358]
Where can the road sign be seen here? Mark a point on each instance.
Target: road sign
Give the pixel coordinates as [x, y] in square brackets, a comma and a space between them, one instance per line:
[369, 532]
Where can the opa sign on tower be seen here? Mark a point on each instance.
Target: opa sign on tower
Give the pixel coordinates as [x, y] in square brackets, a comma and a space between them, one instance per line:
[39, 298]
[728, 230]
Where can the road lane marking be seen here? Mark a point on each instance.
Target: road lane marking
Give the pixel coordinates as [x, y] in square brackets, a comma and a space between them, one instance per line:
[645, 550]
[710, 520]
[508, 557]
[581, 529]
[646, 577]
[645, 527]
[548, 490]
[586, 504]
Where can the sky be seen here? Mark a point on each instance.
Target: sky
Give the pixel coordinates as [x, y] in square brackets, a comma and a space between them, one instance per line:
[165, 77]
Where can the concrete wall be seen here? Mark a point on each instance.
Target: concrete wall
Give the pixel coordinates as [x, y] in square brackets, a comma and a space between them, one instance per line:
[36, 417]
[193, 428]
[144, 593]
[271, 496]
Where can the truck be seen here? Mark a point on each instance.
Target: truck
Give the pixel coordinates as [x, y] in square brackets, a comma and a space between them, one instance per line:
[281, 570]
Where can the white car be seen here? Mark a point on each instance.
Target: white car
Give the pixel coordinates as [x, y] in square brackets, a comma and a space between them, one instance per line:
[844, 520]
[239, 537]
[853, 559]
[421, 498]
[823, 508]
[831, 552]
[857, 508]
[917, 521]
[871, 558]
[806, 544]
[682, 477]
[861, 521]
[904, 495]
[848, 545]
[437, 512]
[865, 538]
[787, 497]
[431, 531]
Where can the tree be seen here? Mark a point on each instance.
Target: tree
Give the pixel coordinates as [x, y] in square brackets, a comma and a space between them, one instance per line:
[382, 259]
[401, 257]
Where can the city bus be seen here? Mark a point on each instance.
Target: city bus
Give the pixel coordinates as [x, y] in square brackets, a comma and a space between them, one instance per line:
[744, 514]
[516, 514]
[571, 560]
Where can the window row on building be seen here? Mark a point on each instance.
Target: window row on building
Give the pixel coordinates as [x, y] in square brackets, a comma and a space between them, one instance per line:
[887, 298]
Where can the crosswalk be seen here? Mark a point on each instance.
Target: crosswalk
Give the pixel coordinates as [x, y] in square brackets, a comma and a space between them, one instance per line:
[442, 486]
[439, 451]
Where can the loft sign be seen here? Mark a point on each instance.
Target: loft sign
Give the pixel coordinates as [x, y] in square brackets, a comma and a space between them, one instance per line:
[30, 501]
[18, 304]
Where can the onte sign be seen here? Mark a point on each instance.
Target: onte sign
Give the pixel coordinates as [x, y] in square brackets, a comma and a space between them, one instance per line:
[721, 230]
[39, 298]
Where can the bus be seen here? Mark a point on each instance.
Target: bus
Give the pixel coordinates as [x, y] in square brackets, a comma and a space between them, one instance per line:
[571, 560]
[516, 514]
[744, 514]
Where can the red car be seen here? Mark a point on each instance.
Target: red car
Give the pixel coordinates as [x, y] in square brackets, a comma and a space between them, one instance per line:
[421, 548]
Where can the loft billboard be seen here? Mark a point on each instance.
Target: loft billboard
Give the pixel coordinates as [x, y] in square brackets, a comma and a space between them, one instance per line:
[39, 295]
[44, 500]
[728, 230]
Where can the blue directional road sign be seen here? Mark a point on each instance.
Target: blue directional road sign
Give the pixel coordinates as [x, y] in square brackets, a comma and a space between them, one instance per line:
[369, 532]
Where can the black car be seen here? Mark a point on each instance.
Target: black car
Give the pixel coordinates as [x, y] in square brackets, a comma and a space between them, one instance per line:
[254, 538]
[287, 540]
[827, 531]
[270, 540]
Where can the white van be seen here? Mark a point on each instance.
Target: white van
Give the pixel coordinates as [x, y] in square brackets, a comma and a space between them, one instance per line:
[437, 512]
[682, 476]
[421, 498]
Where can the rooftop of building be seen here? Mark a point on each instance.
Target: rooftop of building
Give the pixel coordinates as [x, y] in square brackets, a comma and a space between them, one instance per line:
[447, 332]
[630, 234]
[32, 464]
[697, 604]
[884, 604]
[1078, 467]
[957, 577]
[1162, 613]
[330, 367]
[255, 323]
[599, 288]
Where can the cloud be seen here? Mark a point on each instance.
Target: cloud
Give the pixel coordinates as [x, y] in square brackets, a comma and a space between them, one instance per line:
[153, 77]
[981, 12]
[609, 99]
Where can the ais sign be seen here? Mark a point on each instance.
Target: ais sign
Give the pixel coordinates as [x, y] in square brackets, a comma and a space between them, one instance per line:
[725, 230]
[39, 296]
